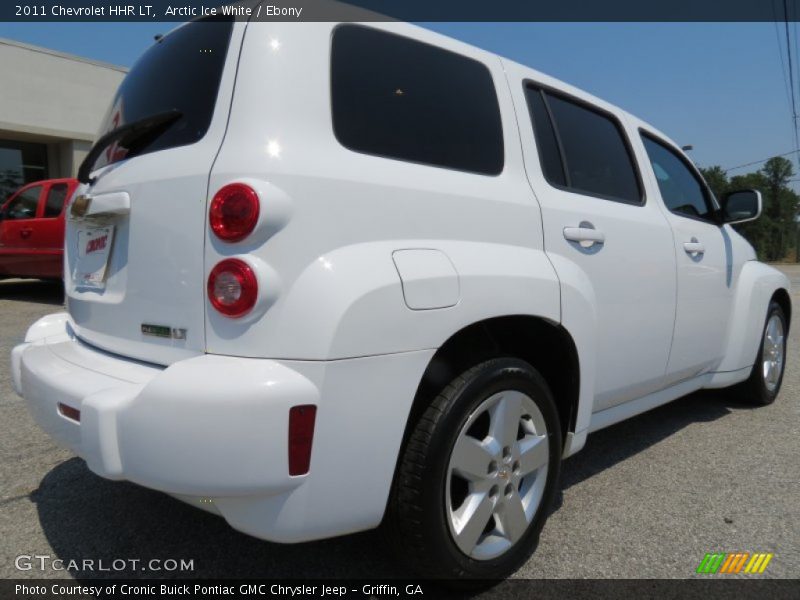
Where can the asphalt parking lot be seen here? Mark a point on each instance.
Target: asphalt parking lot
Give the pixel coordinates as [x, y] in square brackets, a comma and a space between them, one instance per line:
[645, 499]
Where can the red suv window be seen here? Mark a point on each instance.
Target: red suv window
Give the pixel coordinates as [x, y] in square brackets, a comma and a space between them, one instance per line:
[24, 205]
[55, 200]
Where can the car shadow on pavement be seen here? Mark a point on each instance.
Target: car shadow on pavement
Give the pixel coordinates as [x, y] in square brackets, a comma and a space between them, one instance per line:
[86, 517]
[39, 291]
[610, 446]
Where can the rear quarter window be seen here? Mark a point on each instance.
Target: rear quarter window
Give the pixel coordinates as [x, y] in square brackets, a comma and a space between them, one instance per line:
[399, 98]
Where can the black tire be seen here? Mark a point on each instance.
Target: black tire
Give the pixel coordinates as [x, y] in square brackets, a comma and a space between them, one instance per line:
[417, 522]
[755, 390]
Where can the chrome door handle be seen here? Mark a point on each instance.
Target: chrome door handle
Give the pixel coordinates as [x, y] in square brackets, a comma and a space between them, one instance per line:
[586, 235]
[694, 247]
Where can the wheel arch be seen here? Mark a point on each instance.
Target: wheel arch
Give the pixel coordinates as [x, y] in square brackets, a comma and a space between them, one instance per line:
[758, 285]
[544, 344]
[781, 296]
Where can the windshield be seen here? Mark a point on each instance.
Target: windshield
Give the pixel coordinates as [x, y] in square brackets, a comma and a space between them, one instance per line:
[181, 72]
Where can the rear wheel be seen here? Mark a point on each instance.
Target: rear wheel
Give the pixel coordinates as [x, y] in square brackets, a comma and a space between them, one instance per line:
[767, 375]
[478, 474]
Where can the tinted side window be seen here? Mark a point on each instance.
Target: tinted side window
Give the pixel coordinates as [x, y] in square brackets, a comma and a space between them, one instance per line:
[683, 193]
[55, 200]
[24, 205]
[546, 141]
[597, 157]
[396, 97]
[21, 163]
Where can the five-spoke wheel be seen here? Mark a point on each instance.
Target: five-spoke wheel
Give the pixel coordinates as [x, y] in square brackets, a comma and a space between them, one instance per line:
[766, 377]
[478, 473]
[496, 475]
[772, 352]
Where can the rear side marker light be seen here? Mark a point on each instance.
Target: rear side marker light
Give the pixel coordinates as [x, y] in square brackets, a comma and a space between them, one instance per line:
[232, 287]
[234, 212]
[301, 435]
[69, 412]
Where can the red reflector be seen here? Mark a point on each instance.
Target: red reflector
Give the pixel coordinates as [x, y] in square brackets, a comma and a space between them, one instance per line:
[234, 212]
[301, 435]
[69, 412]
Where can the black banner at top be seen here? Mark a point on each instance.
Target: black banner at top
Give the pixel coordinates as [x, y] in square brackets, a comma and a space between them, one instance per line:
[405, 10]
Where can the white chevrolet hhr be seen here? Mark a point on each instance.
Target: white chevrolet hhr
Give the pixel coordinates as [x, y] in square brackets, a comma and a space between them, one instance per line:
[323, 276]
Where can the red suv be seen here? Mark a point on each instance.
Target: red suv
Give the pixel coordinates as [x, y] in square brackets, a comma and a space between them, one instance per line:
[32, 229]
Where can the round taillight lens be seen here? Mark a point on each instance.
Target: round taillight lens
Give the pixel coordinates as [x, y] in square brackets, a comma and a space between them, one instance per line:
[234, 212]
[233, 287]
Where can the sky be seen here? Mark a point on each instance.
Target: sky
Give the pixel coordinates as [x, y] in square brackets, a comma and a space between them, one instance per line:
[720, 87]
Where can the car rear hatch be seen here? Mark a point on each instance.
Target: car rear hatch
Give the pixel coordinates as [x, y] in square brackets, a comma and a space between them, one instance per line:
[134, 272]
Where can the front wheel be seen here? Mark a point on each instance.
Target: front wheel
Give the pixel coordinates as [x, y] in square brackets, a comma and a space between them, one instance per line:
[765, 379]
[478, 474]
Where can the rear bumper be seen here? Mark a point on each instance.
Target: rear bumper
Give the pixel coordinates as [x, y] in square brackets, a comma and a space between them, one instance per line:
[161, 427]
[214, 429]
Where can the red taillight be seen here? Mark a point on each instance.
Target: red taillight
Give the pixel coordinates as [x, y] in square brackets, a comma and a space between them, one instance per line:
[234, 212]
[301, 435]
[233, 287]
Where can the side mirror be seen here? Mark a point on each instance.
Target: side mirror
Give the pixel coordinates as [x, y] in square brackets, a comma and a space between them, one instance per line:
[741, 206]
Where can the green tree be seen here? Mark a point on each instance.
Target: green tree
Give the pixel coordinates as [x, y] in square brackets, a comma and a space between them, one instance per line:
[778, 172]
[761, 233]
[717, 180]
[780, 207]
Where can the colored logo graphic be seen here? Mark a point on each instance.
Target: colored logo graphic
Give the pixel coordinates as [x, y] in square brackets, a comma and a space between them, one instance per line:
[734, 562]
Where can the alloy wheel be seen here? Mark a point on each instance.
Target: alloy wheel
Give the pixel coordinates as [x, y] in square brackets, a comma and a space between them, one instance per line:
[496, 474]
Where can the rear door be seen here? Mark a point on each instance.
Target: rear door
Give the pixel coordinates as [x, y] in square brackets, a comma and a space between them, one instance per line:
[134, 240]
[603, 235]
[18, 234]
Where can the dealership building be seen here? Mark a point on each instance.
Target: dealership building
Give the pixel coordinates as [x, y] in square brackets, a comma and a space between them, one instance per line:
[51, 106]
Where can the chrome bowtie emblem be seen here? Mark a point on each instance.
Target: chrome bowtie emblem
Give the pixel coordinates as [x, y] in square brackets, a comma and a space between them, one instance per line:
[80, 205]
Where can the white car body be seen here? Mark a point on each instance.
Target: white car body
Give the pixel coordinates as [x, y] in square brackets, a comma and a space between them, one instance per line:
[367, 266]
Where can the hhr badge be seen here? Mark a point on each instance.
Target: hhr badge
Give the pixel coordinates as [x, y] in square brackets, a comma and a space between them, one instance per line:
[162, 331]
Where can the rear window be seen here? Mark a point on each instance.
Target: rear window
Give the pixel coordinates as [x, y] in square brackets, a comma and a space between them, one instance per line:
[180, 72]
[399, 98]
